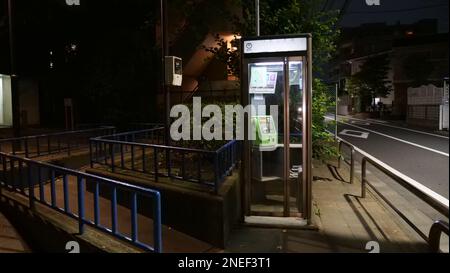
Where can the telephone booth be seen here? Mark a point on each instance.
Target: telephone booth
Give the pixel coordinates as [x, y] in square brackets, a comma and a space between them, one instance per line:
[276, 71]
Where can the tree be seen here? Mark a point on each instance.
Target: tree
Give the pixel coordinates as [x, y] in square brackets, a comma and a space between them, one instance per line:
[373, 80]
[289, 17]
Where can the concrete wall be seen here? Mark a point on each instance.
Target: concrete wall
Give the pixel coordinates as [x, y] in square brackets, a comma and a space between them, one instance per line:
[202, 215]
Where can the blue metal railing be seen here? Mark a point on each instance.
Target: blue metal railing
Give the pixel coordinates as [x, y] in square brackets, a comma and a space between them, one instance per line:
[24, 176]
[53, 143]
[126, 152]
[144, 126]
[151, 136]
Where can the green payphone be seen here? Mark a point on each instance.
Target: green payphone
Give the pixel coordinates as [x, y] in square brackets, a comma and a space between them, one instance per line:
[265, 132]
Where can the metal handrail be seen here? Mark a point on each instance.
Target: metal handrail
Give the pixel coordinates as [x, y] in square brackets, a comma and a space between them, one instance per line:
[434, 237]
[223, 160]
[144, 125]
[58, 133]
[131, 134]
[10, 163]
[438, 206]
[47, 144]
[436, 201]
[352, 158]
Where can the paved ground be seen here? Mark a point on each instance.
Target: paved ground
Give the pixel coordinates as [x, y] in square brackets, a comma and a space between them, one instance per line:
[419, 155]
[347, 224]
[10, 240]
[173, 241]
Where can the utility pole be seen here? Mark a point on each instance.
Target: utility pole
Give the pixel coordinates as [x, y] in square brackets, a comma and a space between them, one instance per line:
[165, 52]
[336, 111]
[258, 31]
[14, 90]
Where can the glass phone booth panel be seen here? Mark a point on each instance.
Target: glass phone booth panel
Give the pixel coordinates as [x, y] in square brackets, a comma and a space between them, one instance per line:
[276, 152]
[266, 87]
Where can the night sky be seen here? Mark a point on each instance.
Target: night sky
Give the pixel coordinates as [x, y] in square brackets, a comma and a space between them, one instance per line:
[393, 11]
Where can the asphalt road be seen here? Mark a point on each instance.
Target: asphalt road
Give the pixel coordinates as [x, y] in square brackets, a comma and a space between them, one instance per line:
[419, 155]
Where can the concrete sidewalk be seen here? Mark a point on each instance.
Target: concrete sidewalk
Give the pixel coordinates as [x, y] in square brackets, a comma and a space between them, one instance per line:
[346, 223]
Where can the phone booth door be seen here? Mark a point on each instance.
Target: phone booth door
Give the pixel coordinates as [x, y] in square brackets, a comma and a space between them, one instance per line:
[275, 179]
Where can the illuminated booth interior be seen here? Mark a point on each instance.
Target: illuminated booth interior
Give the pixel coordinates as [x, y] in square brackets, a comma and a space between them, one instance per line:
[5, 101]
[277, 160]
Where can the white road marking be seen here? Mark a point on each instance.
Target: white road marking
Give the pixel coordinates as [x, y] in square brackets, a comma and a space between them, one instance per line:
[360, 123]
[398, 127]
[398, 139]
[444, 201]
[375, 120]
[352, 133]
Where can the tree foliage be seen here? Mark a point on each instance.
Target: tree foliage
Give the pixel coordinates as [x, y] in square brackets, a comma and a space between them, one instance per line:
[292, 17]
[372, 80]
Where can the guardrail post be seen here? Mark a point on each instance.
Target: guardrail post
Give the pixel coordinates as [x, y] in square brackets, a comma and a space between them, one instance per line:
[114, 210]
[216, 173]
[68, 146]
[155, 162]
[11, 171]
[111, 151]
[30, 188]
[132, 157]
[169, 167]
[183, 169]
[363, 177]
[13, 146]
[2, 159]
[49, 145]
[41, 185]
[157, 232]
[66, 193]
[122, 160]
[53, 187]
[134, 220]
[26, 148]
[91, 161]
[434, 238]
[80, 204]
[38, 148]
[143, 160]
[339, 156]
[352, 165]
[96, 203]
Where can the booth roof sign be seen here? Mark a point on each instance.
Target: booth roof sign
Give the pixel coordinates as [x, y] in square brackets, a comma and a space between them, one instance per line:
[275, 45]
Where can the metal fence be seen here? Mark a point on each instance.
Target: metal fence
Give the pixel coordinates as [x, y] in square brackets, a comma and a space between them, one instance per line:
[424, 112]
[436, 202]
[144, 152]
[53, 143]
[25, 176]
